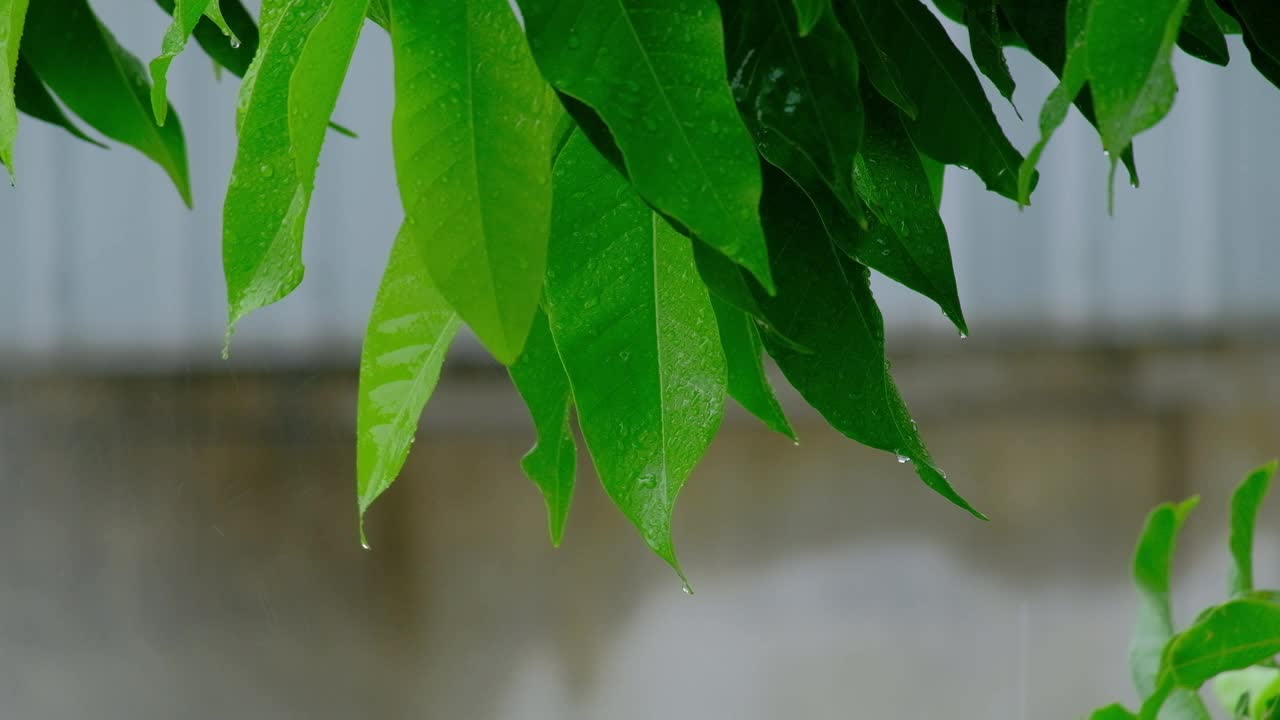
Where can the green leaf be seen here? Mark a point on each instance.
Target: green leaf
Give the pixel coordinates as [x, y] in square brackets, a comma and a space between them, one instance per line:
[539, 376]
[809, 13]
[1113, 712]
[907, 240]
[798, 96]
[1254, 685]
[1201, 35]
[1152, 566]
[1260, 20]
[638, 337]
[844, 376]
[13, 14]
[234, 53]
[1245, 502]
[654, 72]
[409, 332]
[186, 14]
[473, 131]
[1074, 75]
[78, 59]
[954, 123]
[310, 42]
[33, 99]
[380, 13]
[936, 173]
[876, 57]
[747, 381]
[1231, 636]
[982, 17]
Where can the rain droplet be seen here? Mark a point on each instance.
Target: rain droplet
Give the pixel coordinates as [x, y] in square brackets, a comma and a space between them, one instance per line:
[903, 459]
[684, 585]
[266, 171]
[235, 42]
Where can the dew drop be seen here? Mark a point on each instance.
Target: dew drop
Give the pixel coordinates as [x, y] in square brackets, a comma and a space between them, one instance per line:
[235, 42]
[903, 459]
[266, 171]
[684, 586]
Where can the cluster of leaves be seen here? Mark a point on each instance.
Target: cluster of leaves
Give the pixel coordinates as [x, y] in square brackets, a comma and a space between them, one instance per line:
[1234, 643]
[629, 202]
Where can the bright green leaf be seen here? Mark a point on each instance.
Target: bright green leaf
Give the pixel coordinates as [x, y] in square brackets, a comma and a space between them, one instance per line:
[409, 332]
[1245, 502]
[380, 13]
[1074, 75]
[1112, 712]
[539, 376]
[748, 383]
[186, 14]
[638, 337]
[13, 14]
[79, 60]
[234, 53]
[316, 80]
[808, 14]
[798, 96]
[1201, 35]
[1233, 635]
[844, 376]
[654, 72]
[982, 18]
[954, 123]
[33, 99]
[473, 128]
[1253, 685]
[213, 11]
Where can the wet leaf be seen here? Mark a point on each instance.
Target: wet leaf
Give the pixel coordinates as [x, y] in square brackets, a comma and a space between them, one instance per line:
[98, 80]
[551, 464]
[1245, 502]
[638, 337]
[473, 131]
[13, 14]
[316, 80]
[186, 13]
[872, 48]
[844, 376]
[654, 72]
[235, 53]
[982, 18]
[409, 332]
[1072, 79]
[748, 383]
[33, 99]
[1201, 35]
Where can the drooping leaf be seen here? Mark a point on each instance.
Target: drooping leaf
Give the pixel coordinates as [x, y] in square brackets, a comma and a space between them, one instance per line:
[234, 53]
[1072, 79]
[472, 131]
[33, 99]
[1152, 567]
[982, 17]
[539, 376]
[798, 96]
[876, 57]
[1260, 21]
[97, 79]
[13, 14]
[907, 240]
[844, 375]
[409, 332]
[954, 122]
[638, 337]
[748, 383]
[1245, 502]
[213, 11]
[186, 13]
[279, 136]
[654, 72]
[808, 14]
[1201, 35]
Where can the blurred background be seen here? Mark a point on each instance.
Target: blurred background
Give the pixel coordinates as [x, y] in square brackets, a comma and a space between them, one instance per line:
[178, 538]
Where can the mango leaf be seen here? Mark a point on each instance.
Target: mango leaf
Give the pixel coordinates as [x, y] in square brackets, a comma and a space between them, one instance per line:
[274, 170]
[982, 17]
[954, 123]
[881, 68]
[473, 128]
[234, 53]
[1074, 75]
[936, 173]
[798, 96]
[1245, 502]
[409, 332]
[33, 99]
[748, 383]
[908, 241]
[809, 13]
[638, 337]
[539, 376]
[1152, 566]
[654, 72]
[186, 14]
[1260, 21]
[380, 13]
[1201, 35]
[13, 14]
[79, 60]
[1112, 712]
[844, 376]
[1251, 687]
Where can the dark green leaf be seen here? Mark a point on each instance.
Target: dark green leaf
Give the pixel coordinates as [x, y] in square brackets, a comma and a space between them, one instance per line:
[186, 14]
[809, 13]
[845, 375]
[1260, 20]
[409, 332]
[380, 13]
[936, 172]
[798, 96]
[34, 99]
[1074, 75]
[654, 72]
[13, 14]
[1244, 516]
[473, 131]
[876, 58]
[747, 381]
[539, 376]
[78, 59]
[1201, 35]
[954, 123]
[983, 20]
[638, 337]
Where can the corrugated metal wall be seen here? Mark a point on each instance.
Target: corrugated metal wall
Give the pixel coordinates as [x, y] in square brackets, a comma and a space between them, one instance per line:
[103, 267]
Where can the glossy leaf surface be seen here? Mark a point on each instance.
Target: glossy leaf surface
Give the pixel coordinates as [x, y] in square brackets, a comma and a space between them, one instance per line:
[97, 79]
[654, 72]
[33, 99]
[473, 131]
[316, 80]
[13, 15]
[551, 464]
[638, 337]
[409, 332]
[186, 13]
[1245, 502]
[233, 56]
[748, 383]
